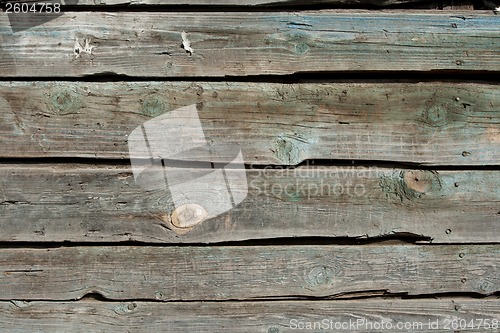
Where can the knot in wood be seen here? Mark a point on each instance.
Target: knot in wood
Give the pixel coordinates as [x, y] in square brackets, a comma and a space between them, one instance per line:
[153, 106]
[320, 276]
[410, 184]
[436, 115]
[290, 147]
[188, 215]
[421, 181]
[64, 102]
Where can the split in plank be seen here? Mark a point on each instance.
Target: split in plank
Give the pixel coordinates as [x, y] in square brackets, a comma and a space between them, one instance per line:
[245, 273]
[419, 315]
[77, 44]
[281, 124]
[86, 203]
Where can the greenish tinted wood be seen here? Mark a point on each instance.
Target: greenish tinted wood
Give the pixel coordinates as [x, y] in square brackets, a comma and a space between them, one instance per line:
[77, 44]
[234, 272]
[427, 123]
[85, 203]
[419, 315]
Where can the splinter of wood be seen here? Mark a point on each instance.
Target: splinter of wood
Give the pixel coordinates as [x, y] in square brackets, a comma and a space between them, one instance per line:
[79, 48]
[186, 44]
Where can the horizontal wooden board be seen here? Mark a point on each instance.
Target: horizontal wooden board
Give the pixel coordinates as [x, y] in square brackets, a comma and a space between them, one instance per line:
[239, 3]
[419, 315]
[248, 272]
[283, 124]
[86, 203]
[242, 3]
[77, 44]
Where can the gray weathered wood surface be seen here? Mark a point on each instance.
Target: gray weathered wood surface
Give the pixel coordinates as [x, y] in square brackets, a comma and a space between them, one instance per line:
[235, 317]
[284, 124]
[246, 273]
[250, 43]
[243, 3]
[86, 203]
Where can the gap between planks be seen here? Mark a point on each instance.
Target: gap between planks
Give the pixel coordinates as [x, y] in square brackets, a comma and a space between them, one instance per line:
[318, 77]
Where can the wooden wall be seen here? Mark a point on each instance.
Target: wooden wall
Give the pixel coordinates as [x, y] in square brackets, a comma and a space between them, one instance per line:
[371, 138]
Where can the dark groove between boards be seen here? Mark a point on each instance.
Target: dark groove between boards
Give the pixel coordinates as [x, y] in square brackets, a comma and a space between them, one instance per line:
[385, 165]
[352, 296]
[400, 239]
[453, 76]
[306, 163]
[291, 6]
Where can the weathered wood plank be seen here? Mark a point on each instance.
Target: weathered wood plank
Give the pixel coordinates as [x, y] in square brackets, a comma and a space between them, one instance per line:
[428, 123]
[242, 3]
[419, 315]
[250, 43]
[85, 203]
[239, 3]
[249, 272]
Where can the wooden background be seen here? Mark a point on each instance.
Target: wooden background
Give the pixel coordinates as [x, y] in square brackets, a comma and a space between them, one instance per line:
[393, 104]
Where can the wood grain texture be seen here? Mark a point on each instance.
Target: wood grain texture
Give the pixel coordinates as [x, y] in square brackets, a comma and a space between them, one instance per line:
[77, 44]
[235, 317]
[244, 3]
[282, 124]
[245, 273]
[85, 203]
